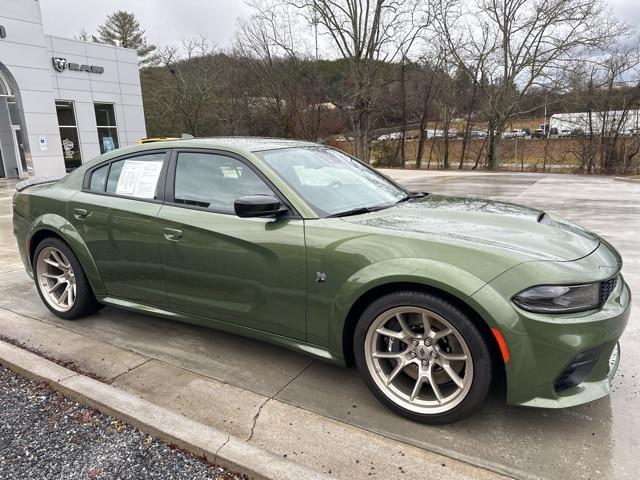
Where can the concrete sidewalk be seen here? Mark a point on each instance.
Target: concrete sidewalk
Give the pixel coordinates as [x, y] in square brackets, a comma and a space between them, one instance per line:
[215, 446]
[323, 416]
[201, 414]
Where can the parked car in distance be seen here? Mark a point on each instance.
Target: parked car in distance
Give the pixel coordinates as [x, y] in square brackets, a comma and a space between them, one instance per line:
[545, 131]
[515, 133]
[155, 139]
[564, 133]
[390, 136]
[295, 243]
[538, 133]
[435, 133]
[477, 134]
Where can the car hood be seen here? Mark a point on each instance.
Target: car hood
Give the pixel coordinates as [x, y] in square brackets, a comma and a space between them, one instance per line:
[486, 223]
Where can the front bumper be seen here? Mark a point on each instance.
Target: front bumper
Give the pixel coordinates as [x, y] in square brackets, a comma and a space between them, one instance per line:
[543, 347]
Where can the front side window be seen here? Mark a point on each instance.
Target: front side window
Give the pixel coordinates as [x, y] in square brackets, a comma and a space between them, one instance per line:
[68, 134]
[214, 181]
[330, 181]
[107, 130]
[131, 177]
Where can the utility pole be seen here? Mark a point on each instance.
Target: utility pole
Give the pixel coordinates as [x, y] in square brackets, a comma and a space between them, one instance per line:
[315, 21]
[546, 123]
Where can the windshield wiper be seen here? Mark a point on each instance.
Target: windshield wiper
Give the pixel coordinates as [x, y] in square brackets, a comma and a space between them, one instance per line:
[411, 196]
[358, 211]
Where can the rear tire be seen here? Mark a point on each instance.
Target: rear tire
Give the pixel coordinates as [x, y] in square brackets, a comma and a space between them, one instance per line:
[422, 357]
[61, 281]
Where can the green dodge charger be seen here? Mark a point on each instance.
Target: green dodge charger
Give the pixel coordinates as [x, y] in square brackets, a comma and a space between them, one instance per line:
[433, 298]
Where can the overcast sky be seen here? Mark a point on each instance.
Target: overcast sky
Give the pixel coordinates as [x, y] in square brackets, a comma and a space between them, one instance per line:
[167, 21]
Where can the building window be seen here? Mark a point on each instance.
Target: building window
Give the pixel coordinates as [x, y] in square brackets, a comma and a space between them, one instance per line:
[68, 134]
[107, 131]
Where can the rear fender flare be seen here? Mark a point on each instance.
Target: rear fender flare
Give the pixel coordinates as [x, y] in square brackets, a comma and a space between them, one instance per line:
[65, 230]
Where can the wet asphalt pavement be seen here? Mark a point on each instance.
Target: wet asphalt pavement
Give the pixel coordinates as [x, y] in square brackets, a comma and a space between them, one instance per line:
[182, 366]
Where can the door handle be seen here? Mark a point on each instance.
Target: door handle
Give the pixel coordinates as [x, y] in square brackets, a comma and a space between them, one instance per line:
[80, 213]
[172, 234]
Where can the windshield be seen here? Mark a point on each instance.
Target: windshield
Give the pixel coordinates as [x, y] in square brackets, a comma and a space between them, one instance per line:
[331, 182]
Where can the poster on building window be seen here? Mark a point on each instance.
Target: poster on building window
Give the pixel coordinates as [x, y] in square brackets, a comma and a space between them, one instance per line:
[67, 147]
[139, 179]
[107, 144]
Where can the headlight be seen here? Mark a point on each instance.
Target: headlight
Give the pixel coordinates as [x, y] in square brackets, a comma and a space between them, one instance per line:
[559, 298]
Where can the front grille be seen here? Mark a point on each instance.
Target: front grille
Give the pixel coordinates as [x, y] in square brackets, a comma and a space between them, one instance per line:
[606, 288]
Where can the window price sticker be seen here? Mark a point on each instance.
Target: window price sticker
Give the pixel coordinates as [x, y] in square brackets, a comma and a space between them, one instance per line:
[139, 179]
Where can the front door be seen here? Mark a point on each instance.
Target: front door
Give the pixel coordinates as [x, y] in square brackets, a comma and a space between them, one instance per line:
[18, 142]
[244, 271]
[115, 214]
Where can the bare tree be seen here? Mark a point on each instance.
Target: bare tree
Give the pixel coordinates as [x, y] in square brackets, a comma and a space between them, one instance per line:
[366, 34]
[432, 85]
[462, 77]
[519, 44]
[610, 143]
[189, 86]
[269, 52]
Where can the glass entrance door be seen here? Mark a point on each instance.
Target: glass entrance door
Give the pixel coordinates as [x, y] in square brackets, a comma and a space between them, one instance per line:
[2, 174]
[19, 146]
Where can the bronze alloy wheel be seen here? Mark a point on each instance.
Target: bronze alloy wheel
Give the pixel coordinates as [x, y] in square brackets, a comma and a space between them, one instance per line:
[56, 279]
[61, 281]
[418, 360]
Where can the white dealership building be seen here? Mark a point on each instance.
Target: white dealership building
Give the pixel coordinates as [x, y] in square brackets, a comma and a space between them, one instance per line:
[62, 101]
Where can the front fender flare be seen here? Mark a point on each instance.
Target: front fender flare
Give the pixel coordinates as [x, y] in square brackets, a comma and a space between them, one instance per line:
[65, 230]
[425, 272]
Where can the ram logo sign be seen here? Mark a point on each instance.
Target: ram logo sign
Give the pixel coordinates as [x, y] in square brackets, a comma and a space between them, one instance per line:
[61, 64]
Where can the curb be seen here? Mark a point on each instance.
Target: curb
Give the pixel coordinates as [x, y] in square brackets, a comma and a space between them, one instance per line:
[627, 179]
[198, 439]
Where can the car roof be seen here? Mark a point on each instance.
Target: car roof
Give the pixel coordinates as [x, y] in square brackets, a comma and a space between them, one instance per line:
[239, 145]
[252, 144]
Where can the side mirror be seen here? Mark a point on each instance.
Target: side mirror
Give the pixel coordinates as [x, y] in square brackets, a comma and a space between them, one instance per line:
[258, 206]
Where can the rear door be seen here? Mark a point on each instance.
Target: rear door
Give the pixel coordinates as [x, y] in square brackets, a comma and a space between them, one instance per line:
[115, 214]
[244, 271]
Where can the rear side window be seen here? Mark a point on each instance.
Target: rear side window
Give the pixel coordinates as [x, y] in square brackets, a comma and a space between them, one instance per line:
[130, 177]
[214, 182]
[99, 179]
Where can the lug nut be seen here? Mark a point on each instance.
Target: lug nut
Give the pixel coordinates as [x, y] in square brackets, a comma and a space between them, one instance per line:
[434, 355]
[427, 342]
[425, 363]
[412, 354]
[415, 343]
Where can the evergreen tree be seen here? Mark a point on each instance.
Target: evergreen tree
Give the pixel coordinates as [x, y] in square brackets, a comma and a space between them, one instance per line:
[123, 30]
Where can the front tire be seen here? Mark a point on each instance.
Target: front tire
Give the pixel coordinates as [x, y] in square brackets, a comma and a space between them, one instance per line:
[61, 281]
[422, 357]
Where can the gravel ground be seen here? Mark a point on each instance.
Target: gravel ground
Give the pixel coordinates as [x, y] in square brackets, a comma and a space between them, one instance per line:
[43, 435]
